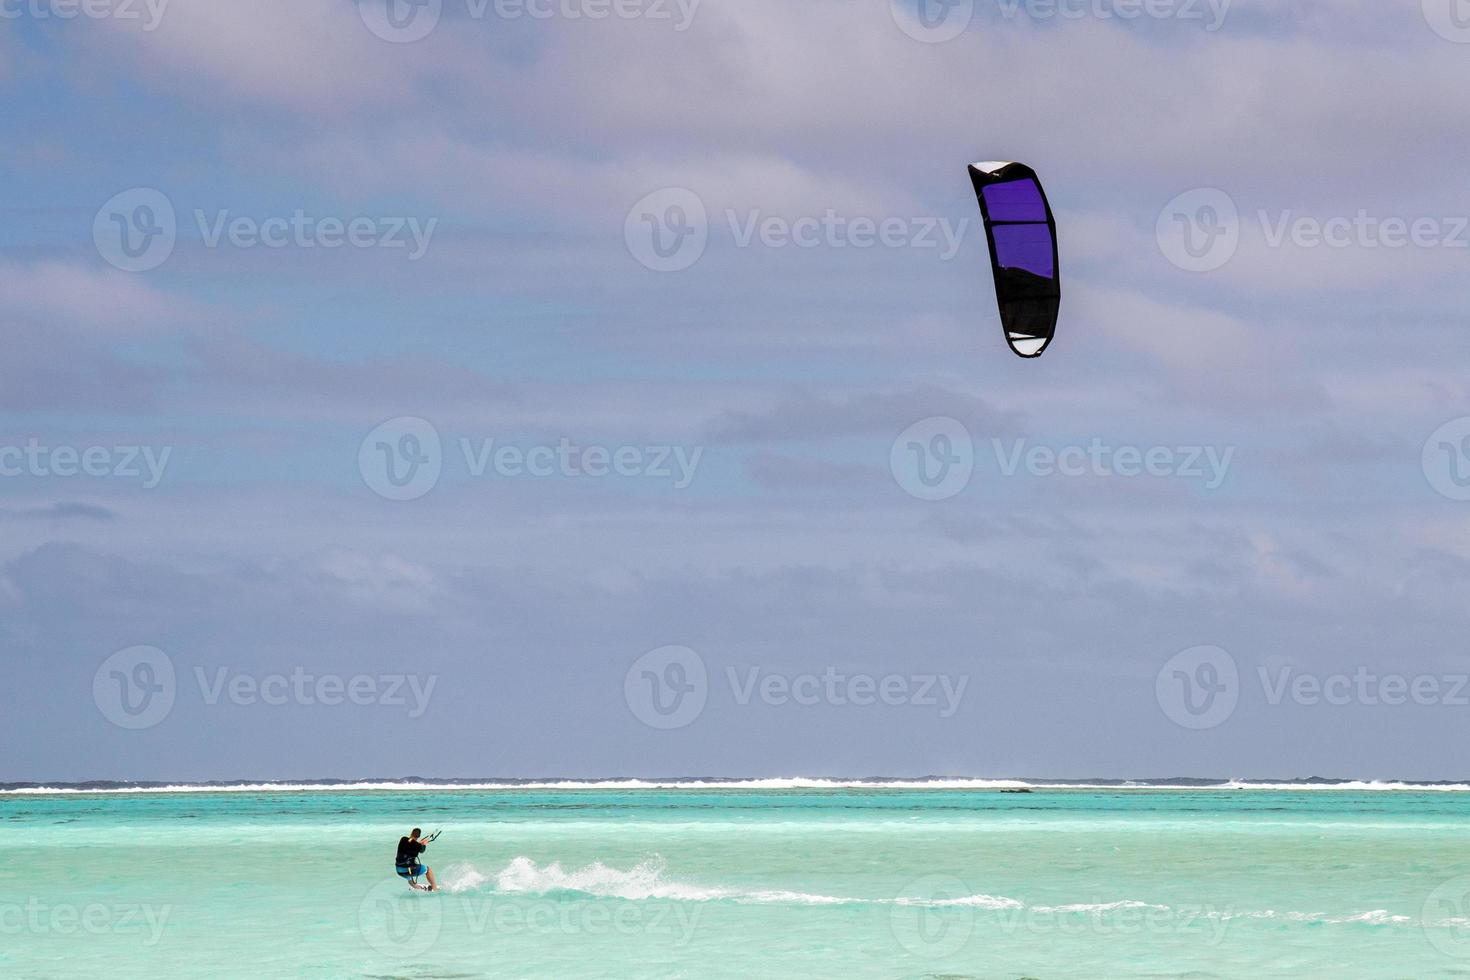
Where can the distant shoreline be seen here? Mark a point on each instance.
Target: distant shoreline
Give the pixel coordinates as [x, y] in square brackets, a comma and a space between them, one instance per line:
[711, 783]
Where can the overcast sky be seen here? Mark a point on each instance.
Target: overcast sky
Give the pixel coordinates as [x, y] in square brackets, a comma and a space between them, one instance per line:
[274, 275]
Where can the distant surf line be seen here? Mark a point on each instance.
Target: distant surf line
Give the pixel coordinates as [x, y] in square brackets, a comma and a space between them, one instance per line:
[695, 784]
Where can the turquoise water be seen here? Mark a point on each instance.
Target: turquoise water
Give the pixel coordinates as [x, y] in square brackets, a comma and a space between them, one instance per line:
[850, 883]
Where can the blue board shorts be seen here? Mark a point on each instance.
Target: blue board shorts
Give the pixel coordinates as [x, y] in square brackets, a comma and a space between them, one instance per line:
[409, 870]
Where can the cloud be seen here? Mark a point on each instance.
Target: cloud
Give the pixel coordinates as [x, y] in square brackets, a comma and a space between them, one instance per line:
[781, 471]
[67, 325]
[59, 512]
[802, 415]
[315, 57]
[98, 303]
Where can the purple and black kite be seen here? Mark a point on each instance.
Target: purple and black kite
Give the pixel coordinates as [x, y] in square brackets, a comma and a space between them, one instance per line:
[1023, 252]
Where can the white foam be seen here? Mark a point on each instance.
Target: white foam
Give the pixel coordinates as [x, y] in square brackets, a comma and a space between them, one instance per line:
[791, 898]
[643, 881]
[1352, 785]
[1378, 917]
[647, 881]
[1122, 906]
[775, 783]
[1453, 922]
[991, 902]
[772, 784]
[461, 878]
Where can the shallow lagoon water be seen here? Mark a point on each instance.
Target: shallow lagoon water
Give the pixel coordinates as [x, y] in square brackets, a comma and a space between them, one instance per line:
[857, 882]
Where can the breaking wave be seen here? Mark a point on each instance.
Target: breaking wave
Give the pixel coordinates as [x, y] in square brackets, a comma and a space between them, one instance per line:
[766, 784]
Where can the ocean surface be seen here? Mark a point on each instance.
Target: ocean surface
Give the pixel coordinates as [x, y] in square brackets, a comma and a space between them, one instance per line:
[765, 878]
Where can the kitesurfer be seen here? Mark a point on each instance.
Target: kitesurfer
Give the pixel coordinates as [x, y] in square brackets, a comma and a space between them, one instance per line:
[406, 861]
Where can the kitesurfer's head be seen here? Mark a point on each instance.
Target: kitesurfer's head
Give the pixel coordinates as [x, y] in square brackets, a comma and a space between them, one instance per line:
[414, 833]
